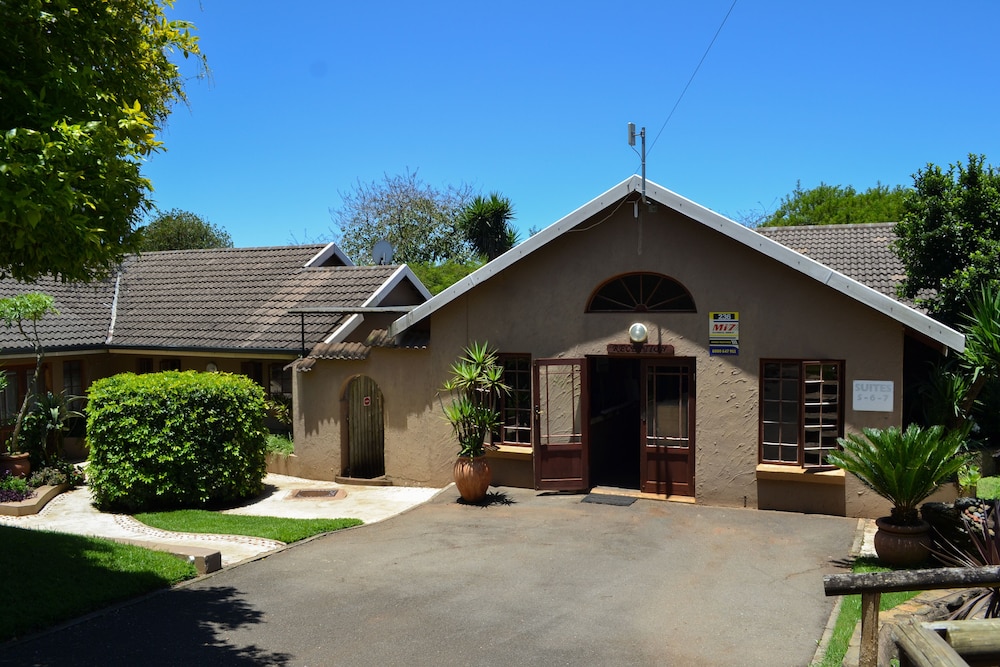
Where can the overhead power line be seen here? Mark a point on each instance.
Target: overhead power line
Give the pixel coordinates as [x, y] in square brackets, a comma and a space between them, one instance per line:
[693, 75]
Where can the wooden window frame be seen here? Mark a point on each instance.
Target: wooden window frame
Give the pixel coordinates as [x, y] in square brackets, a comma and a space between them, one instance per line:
[641, 292]
[819, 420]
[519, 380]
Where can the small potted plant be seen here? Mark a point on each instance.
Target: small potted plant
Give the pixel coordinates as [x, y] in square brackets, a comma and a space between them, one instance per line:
[904, 467]
[475, 387]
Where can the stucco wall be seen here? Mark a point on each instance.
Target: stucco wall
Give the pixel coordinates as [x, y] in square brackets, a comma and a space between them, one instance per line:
[537, 307]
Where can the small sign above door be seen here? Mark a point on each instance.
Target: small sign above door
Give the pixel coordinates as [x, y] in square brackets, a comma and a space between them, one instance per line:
[640, 348]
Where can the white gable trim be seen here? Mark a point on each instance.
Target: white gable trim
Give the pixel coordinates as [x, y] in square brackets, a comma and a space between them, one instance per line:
[899, 312]
[331, 250]
[354, 321]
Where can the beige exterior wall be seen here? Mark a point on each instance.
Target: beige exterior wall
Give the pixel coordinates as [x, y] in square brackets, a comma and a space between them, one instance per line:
[537, 306]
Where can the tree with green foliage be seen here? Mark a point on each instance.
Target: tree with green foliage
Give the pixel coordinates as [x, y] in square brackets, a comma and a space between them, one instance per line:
[838, 205]
[182, 230]
[438, 276]
[949, 237]
[419, 220]
[23, 312]
[85, 86]
[486, 223]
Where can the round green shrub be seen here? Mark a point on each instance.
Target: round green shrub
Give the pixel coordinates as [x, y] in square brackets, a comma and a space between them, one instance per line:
[170, 440]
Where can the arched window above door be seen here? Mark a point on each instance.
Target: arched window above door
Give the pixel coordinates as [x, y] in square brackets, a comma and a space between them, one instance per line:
[641, 293]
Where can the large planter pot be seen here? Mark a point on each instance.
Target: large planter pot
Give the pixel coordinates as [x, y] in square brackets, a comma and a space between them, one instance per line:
[18, 465]
[902, 545]
[472, 477]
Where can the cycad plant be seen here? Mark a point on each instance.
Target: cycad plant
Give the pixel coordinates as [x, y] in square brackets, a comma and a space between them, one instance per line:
[476, 385]
[904, 467]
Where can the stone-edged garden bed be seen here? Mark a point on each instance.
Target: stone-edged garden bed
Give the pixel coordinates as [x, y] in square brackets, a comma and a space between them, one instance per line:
[33, 505]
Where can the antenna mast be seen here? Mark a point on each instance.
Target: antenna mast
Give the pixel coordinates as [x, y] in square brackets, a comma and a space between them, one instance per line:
[631, 142]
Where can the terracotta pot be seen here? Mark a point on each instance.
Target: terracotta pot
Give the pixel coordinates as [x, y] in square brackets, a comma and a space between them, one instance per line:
[902, 545]
[18, 465]
[472, 477]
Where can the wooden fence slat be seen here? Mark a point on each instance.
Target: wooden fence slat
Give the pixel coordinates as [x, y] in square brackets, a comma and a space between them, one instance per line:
[912, 580]
[925, 648]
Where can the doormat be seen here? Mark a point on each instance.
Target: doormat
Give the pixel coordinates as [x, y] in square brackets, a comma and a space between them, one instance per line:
[607, 499]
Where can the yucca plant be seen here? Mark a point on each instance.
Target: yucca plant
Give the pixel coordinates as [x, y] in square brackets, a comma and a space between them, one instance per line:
[904, 467]
[476, 385]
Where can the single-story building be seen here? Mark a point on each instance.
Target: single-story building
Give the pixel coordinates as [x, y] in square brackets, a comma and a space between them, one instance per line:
[650, 344]
[241, 310]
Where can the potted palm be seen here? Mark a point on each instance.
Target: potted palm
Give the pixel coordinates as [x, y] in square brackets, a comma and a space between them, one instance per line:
[475, 387]
[904, 467]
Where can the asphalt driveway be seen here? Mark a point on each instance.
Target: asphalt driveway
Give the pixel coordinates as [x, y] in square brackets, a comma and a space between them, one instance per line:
[543, 580]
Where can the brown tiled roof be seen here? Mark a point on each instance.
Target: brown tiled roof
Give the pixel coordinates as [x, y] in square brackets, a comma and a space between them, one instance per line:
[233, 299]
[862, 252]
[414, 340]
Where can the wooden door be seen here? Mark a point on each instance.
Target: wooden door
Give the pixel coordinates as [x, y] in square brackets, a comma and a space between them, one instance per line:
[365, 429]
[667, 456]
[561, 420]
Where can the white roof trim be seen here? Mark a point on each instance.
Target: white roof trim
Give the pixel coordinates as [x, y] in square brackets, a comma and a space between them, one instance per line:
[331, 250]
[403, 272]
[900, 312]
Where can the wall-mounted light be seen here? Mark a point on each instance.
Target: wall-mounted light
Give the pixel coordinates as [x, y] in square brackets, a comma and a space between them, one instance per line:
[637, 333]
[211, 367]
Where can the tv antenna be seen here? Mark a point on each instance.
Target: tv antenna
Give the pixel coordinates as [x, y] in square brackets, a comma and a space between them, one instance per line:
[631, 142]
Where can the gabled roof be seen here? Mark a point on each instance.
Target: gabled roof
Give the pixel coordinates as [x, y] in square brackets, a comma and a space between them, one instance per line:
[223, 299]
[809, 268]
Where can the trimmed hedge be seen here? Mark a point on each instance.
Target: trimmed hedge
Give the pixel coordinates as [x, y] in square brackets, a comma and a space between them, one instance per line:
[170, 440]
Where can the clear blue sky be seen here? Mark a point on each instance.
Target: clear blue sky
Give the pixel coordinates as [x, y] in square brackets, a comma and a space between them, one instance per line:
[532, 99]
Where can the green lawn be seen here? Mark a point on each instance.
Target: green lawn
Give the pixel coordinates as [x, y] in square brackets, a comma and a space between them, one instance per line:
[272, 528]
[850, 613]
[53, 577]
[988, 488]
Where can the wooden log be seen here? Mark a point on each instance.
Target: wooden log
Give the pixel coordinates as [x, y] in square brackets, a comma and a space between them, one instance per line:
[974, 637]
[912, 580]
[869, 629]
[922, 647]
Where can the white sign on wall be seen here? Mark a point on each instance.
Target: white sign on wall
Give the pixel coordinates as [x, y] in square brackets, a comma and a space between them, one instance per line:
[873, 395]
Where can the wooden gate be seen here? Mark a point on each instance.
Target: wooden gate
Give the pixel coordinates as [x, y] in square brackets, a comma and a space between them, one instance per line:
[365, 429]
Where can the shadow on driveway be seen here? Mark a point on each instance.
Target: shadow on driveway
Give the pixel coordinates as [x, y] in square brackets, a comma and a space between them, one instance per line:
[522, 579]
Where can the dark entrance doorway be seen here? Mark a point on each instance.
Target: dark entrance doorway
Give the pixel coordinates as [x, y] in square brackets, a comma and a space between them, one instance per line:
[642, 424]
[615, 426]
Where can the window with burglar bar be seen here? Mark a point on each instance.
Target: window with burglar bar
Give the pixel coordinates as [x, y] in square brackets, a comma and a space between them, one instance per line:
[515, 407]
[801, 411]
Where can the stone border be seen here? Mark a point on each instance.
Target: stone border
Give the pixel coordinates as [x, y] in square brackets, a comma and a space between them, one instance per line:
[33, 505]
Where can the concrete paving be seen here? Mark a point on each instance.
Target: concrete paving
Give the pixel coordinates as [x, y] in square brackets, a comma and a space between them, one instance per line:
[530, 579]
[73, 512]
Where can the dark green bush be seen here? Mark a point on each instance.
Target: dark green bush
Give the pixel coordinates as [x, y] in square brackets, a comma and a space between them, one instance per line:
[170, 440]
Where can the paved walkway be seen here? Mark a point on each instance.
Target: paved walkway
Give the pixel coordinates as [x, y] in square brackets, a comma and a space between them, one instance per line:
[72, 512]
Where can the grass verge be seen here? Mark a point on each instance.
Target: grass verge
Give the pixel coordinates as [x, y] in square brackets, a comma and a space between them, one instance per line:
[988, 488]
[850, 613]
[53, 577]
[269, 527]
